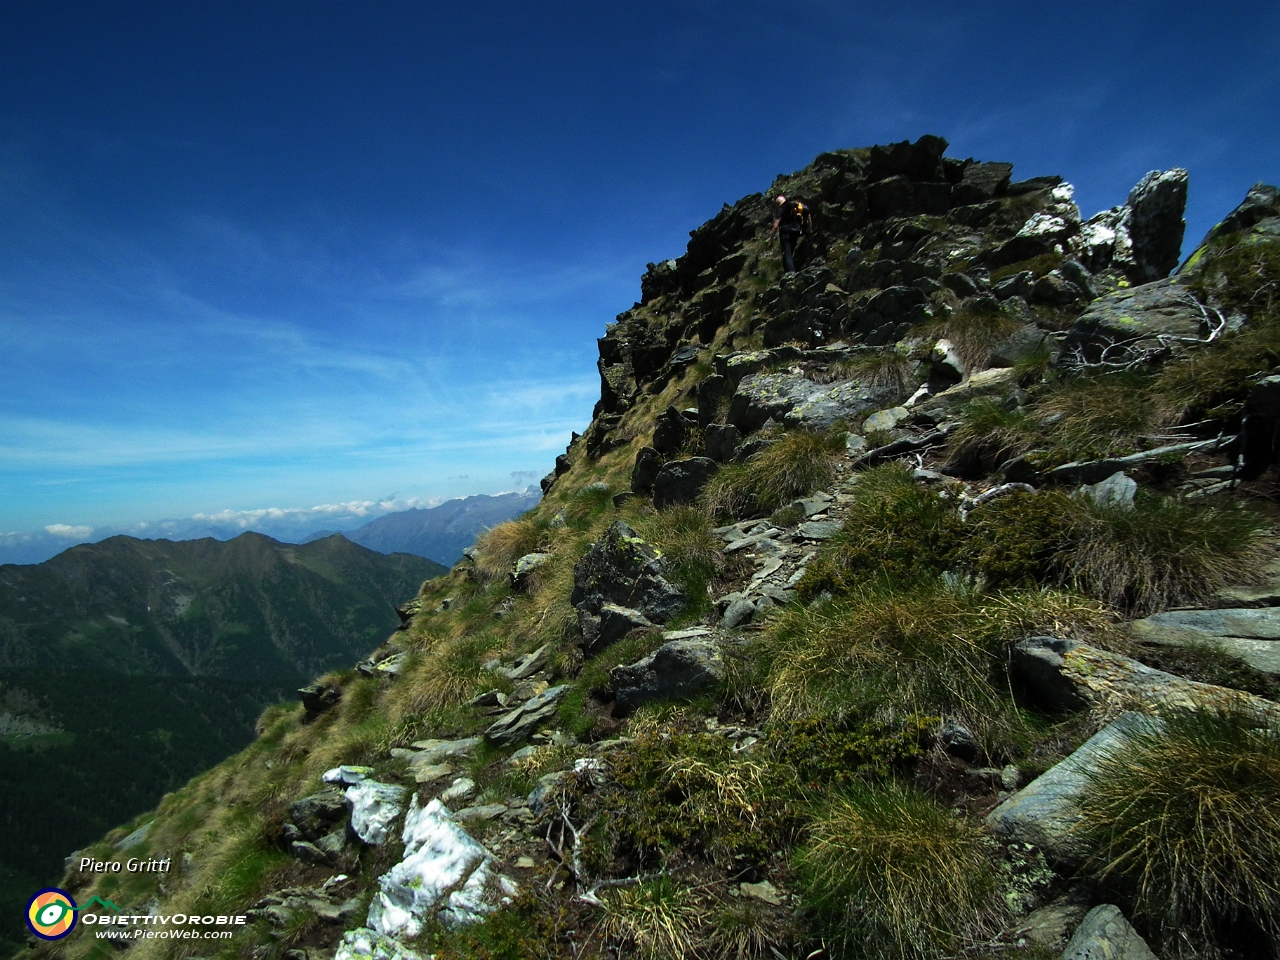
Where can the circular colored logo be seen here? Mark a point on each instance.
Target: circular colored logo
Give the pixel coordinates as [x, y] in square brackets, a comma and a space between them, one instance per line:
[51, 914]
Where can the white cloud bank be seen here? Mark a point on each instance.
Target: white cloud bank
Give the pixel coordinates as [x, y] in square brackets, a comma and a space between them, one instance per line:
[66, 530]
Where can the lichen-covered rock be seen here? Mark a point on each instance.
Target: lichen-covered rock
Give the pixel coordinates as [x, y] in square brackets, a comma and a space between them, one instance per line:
[798, 402]
[315, 815]
[1064, 674]
[365, 944]
[525, 566]
[1155, 319]
[622, 569]
[675, 671]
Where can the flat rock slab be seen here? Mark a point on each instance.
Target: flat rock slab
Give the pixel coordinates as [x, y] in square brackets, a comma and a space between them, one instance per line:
[1064, 674]
[797, 401]
[1252, 635]
[487, 811]
[1044, 812]
[437, 751]
[819, 529]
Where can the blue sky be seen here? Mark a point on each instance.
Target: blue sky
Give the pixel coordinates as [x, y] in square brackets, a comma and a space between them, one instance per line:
[302, 255]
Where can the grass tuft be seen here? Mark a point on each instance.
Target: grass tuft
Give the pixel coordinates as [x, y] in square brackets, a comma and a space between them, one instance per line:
[1160, 553]
[659, 919]
[795, 465]
[1186, 819]
[896, 875]
[501, 546]
[928, 649]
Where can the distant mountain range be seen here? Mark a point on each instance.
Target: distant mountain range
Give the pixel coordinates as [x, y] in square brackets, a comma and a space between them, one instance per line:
[439, 533]
[250, 608]
[128, 666]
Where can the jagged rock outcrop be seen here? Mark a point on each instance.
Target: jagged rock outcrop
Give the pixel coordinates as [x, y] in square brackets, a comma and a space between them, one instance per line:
[623, 570]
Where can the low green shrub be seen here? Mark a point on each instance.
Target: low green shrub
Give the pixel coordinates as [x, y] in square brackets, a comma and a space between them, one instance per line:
[676, 794]
[1014, 540]
[795, 465]
[894, 875]
[1185, 819]
[843, 752]
[897, 530]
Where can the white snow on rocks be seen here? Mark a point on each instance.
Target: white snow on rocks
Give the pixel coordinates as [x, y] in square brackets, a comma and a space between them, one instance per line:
[365, 944]
[444, 869]
[374, 806]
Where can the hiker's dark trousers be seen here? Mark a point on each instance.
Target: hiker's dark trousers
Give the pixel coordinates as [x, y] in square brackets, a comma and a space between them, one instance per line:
[788, 239]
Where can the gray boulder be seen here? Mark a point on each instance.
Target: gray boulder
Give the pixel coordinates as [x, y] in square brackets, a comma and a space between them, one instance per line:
[1105, 934]
[645, 471]
[670, 432]
[520, 723]
[675, 671]
[622, 569]
[1061, 674]
[721, 441]
[315, 815]
[1142, 237]
[1018, 285]
[612, 624]
[525, 566]
[1152, 320]
[680, 481]
[739, 611]
[1116, 490]
[797, 401]
[1045, 812]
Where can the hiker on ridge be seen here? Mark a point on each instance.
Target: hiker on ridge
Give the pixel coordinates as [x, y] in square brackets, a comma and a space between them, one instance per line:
[791, 220]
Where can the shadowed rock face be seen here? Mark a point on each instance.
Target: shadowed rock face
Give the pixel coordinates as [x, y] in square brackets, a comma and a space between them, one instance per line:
[677, 670]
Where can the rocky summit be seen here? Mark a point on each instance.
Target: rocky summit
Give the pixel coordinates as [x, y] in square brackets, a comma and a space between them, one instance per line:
[915, 604]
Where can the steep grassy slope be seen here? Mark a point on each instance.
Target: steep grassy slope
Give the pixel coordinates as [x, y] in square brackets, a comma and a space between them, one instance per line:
[852, 497]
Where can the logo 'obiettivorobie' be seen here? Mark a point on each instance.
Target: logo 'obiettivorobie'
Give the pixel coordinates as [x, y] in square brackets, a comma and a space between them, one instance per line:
[51, 914]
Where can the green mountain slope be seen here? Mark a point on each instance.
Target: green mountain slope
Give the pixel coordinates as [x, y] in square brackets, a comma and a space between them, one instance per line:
[820, 621]
[129, 666]
[250, 608]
